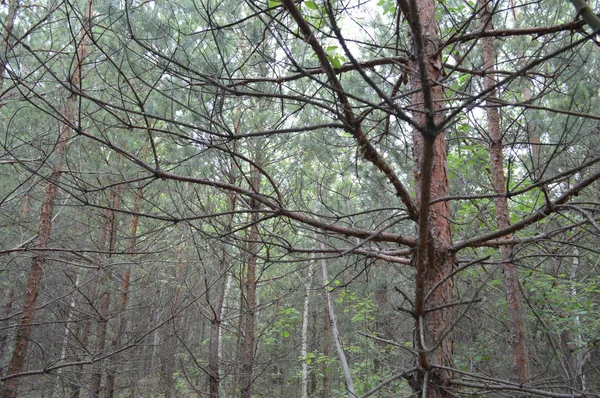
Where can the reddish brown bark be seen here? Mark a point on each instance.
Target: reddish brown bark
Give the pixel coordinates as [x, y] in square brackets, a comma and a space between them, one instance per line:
[433, 260]
[36, 271]
[511, 277]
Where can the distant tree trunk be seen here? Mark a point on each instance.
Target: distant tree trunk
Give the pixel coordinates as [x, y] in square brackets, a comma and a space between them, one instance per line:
[110, 226]
[326, 388]
[382, 326]
[9, 21]
[36, 271]
[123, 298]
[214, 356]
[434, 262]
[7, 302]
[171, 338]
[249, 300]
[67, 331]
[83, 334]
[335, 331]
[511, 276]
[571, 345]
[304, 336]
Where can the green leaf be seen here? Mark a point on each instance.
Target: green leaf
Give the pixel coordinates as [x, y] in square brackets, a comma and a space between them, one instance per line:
[311, 5]
[335, 62]
[274, 3]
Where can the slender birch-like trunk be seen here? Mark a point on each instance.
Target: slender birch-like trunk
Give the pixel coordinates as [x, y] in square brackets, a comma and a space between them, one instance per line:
[304, 337]
[326, 367]
[335, 331]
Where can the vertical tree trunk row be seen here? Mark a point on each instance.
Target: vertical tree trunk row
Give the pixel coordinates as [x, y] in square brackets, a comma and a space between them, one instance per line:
[36, 272]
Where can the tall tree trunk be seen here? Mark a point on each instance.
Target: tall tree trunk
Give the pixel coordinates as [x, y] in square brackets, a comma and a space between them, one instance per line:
[335, 331]
[249, 300]
[434, 263]
[123, 298]
[511, 276]
[36, 271]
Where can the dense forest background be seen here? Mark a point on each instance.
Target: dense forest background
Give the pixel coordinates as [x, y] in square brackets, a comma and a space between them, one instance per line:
[313, 198]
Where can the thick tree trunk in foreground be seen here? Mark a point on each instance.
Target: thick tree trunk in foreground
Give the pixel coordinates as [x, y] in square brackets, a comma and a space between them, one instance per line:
[434, 289]
[511, 277]
[36, 271]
